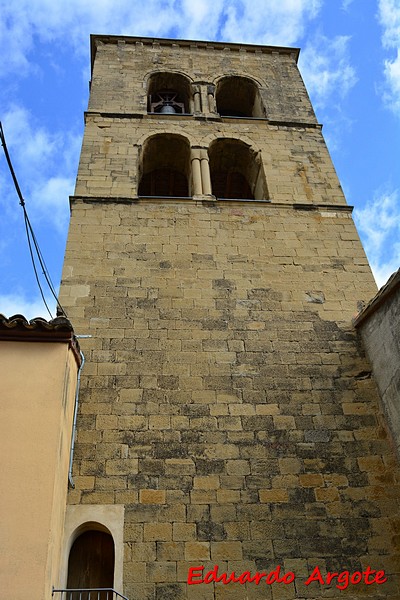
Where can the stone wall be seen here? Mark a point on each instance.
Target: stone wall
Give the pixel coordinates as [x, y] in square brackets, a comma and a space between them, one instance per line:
[379, 329]
[122, 68]
[224, 401]
[295, 160]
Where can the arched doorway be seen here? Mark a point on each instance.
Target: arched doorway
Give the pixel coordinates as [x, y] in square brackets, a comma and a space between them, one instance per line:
[91, 564]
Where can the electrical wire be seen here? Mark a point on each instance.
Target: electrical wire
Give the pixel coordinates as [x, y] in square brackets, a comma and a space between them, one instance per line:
[31, 238]
[27, 229]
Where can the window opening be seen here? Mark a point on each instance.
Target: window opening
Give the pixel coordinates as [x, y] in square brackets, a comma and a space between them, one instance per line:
[230, 184]
[164, 182]
[236, 171]
[238, 97]
[166, 102]
[165, 167]
[169, 93]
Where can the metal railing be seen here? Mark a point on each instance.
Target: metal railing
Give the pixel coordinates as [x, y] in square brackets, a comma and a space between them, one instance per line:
[88, 594]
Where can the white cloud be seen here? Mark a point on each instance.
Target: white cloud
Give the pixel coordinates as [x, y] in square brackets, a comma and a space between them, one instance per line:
[346, 4]
[45, 166]
[389, 18]
[392, 76]
[15, 40]
[199, 19]
[29, 144]
[379, 226]
[16, 303]
[267, 21]
[327, 70]
[52, 196]
[382, 272]
[69, 23]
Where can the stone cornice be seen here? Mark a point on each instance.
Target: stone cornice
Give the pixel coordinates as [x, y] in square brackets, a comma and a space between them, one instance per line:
[132, 200]
[226, 120]
[96, 39]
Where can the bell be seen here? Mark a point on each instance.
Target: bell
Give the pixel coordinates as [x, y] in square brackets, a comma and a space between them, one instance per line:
[168, 109]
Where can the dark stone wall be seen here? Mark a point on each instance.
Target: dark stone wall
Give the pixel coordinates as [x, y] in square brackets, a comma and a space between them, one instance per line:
[380, 333]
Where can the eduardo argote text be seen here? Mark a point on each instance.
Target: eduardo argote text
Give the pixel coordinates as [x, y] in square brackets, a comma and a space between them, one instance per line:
[342, 580]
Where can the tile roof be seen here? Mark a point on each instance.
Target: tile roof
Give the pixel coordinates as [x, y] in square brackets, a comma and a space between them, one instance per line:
[38, 323]
[19, 329]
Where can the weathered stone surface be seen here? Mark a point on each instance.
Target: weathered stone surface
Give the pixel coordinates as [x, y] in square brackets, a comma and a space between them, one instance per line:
[378, 327]
[225, 399]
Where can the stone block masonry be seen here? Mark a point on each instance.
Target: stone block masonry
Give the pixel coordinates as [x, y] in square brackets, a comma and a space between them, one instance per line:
[226, 401]
[224, 407]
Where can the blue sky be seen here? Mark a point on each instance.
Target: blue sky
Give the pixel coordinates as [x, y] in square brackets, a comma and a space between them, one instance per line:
[350, 61]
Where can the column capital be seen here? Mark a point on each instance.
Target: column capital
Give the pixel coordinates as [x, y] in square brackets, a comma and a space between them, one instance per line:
[195, 153]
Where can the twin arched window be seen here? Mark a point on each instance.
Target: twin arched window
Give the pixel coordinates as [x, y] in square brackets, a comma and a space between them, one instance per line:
[166, 160]
[234, 168]
[233, 96]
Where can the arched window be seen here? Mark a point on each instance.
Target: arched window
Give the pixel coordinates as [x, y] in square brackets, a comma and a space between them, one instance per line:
[91, 564]
[238, 97]
[165, 167]
[169, 93]
[236, 171]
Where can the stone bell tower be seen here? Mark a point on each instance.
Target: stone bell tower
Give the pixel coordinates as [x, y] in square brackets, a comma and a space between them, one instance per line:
[227, 415]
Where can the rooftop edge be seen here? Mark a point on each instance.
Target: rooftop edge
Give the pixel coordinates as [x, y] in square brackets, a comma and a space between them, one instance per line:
[114, 39]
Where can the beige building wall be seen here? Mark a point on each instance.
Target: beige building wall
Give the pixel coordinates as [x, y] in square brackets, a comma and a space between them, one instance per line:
[38, 396]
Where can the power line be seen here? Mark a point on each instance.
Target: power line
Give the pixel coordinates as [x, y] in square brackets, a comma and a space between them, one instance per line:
[31, 238]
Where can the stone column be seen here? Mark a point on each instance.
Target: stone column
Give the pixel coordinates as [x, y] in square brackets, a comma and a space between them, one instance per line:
[196, 172]
[204, 100]
[197, 97]
[211, 99]
[205, 172]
